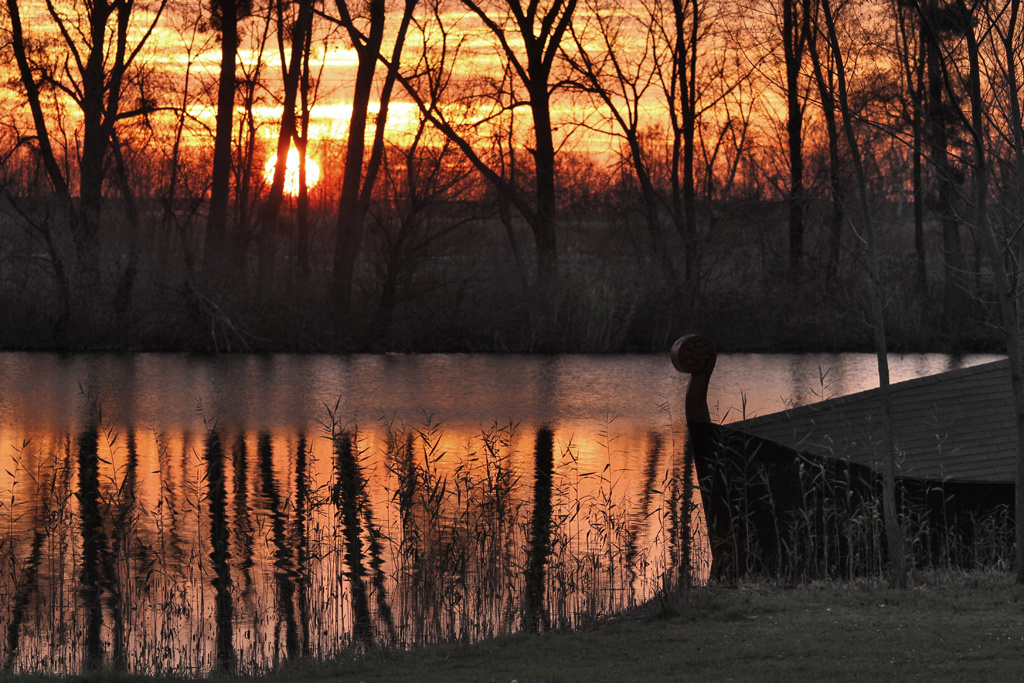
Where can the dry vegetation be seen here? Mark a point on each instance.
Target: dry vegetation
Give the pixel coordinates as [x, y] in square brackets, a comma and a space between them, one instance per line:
[945, 627]
[409, 560]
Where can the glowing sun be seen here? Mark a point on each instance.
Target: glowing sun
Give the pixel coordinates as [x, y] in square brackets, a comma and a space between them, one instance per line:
[291, 173]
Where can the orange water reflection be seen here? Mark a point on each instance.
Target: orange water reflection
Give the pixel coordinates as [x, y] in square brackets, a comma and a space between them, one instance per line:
[178, 513]
[134, 560]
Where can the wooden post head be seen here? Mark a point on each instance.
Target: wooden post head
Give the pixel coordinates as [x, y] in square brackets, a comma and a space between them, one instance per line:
[696, 355]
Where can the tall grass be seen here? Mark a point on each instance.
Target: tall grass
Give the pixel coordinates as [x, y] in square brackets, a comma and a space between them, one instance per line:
[786, 516]
[237, 551]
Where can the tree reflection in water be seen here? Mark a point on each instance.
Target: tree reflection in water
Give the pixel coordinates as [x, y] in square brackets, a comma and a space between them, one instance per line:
[190, 556]
[540, 531]
[220, 534]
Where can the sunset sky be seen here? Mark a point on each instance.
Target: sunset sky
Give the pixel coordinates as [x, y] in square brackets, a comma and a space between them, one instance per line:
[182, 61]
[607, 122]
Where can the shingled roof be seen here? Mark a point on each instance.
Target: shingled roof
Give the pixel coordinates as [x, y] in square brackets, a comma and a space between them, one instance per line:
[956, 426]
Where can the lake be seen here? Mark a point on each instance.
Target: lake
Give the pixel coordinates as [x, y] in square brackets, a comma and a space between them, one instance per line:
[178, 513]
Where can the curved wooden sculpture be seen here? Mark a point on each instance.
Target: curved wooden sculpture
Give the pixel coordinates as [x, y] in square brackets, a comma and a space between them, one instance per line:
[695, 355]
[736, 480]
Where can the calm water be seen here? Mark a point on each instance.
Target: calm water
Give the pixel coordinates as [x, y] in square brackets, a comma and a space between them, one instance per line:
[165, 512]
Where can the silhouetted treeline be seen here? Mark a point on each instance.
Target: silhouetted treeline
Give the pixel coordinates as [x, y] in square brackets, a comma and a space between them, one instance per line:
[573, 175]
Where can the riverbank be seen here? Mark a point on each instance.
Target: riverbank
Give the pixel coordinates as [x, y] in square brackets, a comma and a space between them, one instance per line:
[604, 302]
[945, 628]
[953, 628]
[648, 323]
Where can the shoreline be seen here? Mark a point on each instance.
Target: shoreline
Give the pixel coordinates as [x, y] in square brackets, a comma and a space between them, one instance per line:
[947, 626]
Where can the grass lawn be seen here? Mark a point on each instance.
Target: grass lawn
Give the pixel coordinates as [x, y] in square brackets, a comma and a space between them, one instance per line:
[944, 628]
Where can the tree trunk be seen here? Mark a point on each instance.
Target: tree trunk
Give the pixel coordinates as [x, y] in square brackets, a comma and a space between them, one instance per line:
[544, 161]
[794, 37]
[650, 203]
[215, 257]
[945, 188]
[357, 188]
[917, 131]
[684, 202]
[271, 209]
[351, 212]
[302, 210]
[1005, 288]
[894, 537]
[828, 109]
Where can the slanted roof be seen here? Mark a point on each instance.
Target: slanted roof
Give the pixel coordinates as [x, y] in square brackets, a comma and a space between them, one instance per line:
[954, 426]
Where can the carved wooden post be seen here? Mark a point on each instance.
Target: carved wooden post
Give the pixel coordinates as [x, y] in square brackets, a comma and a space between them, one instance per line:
[696, 355]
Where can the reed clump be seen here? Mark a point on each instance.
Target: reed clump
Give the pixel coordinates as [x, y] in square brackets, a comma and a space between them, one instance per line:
[238, 551]
[785, 516]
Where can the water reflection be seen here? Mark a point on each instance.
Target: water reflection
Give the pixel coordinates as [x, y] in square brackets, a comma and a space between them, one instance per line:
[219, 553]
[348, 498]
[540, 530]
[302, 505]
[193, 515]
[285, 565]
[96, 570]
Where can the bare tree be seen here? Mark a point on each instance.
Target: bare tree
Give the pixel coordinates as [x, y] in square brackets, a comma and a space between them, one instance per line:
[976, 24]
[942, 31]
[794, 31]
[617, 70]
[96, 62]
[686, 99]
[224, 17]
[254, 90]
[1009, 34]
[893, 534]
[527, 40]
[175, 218]
[912, 50]
[683, 67]
[301, 29]
[418, 215]
[358, 181]
[309, 91]
[824, 76]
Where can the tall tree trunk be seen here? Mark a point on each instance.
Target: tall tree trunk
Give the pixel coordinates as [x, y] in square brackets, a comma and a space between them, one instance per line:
[351, 213]
[828, 110]
[544, 162]
[693, 256]
[92, 41]
[1008, 297]
[32, 95]
[357, 187]
[794, 37]
[938, 114]
[53, 172]
[215, 258]
[286, 136]
[94, 145]
[1013, 87]
[650, 203]
[894, 537]
[684, 122]
[917, 130]
[302, 210]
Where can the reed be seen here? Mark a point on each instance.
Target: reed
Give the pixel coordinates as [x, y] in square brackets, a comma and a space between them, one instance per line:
[243, 551]
[798, 519]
